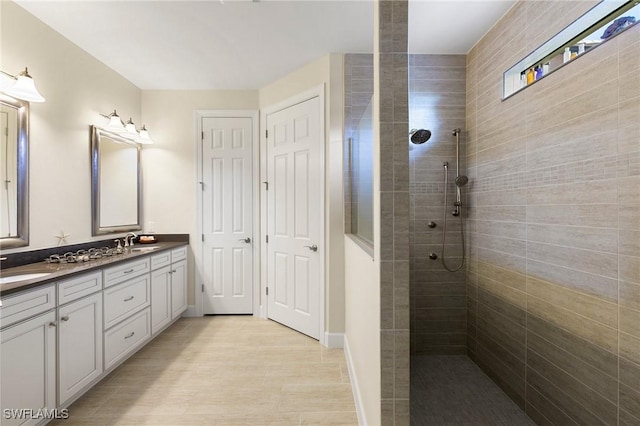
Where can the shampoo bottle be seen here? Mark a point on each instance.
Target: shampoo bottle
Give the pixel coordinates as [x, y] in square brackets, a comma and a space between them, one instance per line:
[531, 76]
[566, 56]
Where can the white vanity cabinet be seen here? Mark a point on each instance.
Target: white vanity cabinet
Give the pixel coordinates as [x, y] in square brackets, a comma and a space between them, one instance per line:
[178, 282]
[79, 335]
[28, 355]
[127, 315]
[59, 339]
[168, 287]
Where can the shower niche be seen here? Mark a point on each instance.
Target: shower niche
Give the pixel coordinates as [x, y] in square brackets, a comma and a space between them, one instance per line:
[599, 25]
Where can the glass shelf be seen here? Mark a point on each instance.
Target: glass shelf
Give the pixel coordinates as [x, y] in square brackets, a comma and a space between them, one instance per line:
[603, 22]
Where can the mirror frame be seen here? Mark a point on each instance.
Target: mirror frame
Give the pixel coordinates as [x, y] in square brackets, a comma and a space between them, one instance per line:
[22, 187]
[96, 135]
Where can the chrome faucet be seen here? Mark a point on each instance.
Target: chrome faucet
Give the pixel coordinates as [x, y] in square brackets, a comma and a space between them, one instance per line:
[128, 239]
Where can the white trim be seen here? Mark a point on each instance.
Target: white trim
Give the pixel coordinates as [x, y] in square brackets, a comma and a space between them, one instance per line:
[357, 396]
[334, 340]
[216, 113]
[319, 92]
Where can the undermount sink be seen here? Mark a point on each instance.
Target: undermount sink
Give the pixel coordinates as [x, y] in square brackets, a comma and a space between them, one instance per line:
[147, 248]
[22, 277]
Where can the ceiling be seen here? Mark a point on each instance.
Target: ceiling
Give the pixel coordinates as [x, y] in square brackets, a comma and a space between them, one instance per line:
[240, 44]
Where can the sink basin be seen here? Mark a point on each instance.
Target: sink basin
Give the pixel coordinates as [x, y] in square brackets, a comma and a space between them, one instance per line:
[22, 277]
[143, 249]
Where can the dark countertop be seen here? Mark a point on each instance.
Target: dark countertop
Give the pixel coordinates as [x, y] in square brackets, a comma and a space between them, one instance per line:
[61, 271]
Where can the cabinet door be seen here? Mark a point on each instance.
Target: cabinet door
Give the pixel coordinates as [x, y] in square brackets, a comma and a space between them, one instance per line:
[160, 298]
[80, 345]
[178, 288]
[28, 365]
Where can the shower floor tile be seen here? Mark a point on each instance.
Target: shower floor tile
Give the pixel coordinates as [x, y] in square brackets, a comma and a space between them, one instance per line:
[452, 390]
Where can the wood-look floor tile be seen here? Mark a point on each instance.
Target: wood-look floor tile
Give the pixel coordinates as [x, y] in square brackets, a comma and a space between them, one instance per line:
[223, 371]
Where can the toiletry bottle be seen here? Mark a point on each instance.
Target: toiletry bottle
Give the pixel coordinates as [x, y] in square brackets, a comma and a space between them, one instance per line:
[523, 79]
[574, 55]
[545, 68]
[566, 56]
[539, 72]
[531, 76]
[580, 48]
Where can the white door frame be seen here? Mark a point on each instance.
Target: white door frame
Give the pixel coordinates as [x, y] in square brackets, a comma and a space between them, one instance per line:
[199, 247]
[317, 91]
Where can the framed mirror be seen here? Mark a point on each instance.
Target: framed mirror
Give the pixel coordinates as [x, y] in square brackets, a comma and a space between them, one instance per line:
[116, 199]
[14, 160]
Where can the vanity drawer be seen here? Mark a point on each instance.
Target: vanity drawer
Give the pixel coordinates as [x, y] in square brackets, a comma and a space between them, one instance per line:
[120, 273]
[124, 338]
[27, 304]
[125, 299]
[161, 259]
[75, 288]
[178, 254]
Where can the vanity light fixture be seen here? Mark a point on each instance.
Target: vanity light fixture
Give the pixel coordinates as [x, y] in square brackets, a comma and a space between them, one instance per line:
[20, 86]
[127, 131]
[115, 124]
[144, 137]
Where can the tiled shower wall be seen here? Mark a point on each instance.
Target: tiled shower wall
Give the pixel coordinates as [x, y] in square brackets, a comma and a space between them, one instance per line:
[391, 84]
[554, 278]
[438, 297]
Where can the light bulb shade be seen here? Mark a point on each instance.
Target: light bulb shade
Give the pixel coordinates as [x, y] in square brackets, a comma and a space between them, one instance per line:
[131, 128]
[115, 124]
[25, 89]
[144, 137]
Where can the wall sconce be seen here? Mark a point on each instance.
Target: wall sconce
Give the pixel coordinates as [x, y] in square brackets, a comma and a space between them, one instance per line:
[20, 86]
[127, 131]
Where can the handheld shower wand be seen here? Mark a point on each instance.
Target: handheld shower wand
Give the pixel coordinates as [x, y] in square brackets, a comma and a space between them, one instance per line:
[460, 181]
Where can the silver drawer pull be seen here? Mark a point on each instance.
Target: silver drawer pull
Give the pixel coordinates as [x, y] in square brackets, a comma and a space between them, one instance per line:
[129, 271]
[129, 335]
[65, 318]
[128, 298]
[52, 324]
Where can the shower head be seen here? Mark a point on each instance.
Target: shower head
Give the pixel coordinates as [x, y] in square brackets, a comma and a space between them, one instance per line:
[419, 136]
[461, 181]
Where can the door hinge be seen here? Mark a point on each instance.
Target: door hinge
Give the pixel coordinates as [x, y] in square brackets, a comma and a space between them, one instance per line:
[267, 239]
[203, 238]
[202, 288]
[267, 291]
[202, 135]
[266, 134]
[266, 185]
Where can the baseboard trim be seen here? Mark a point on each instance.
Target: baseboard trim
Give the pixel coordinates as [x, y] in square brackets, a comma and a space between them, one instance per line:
[357, 397]
[191, 311]
[334, 340]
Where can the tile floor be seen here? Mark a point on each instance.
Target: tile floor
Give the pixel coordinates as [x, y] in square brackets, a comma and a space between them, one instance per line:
[452, 390]
[230, 370]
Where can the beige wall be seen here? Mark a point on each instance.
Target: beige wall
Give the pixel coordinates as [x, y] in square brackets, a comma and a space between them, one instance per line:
[328, 71]
[77, 88]
[169, 165]
[362, 326]
[554, 277]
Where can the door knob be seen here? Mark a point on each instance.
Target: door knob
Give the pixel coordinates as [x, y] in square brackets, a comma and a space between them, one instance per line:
[312, 248]
[245, 240]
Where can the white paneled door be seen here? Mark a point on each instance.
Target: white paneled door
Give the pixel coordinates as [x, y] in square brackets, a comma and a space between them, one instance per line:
[227, 215]
[294, 228]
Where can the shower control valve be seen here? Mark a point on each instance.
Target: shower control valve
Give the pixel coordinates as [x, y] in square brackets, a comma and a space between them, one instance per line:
[433, 256]
[432, 224]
